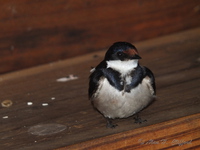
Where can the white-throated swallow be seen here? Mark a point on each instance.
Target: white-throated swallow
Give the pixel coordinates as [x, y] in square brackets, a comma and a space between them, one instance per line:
[119, 86]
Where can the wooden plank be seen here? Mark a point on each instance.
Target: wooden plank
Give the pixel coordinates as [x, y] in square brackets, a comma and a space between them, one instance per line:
[174, 59]
[37, 32]
[177, 134]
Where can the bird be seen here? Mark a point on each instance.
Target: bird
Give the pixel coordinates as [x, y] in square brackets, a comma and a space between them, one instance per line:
[119, 87]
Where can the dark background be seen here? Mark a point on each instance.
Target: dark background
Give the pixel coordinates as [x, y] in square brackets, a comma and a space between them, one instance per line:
[34, 32]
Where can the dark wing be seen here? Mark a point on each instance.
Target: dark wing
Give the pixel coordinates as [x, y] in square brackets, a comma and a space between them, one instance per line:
[94, 82]
[150, 74]
[95, 77]
[138, 75]
[100, 71]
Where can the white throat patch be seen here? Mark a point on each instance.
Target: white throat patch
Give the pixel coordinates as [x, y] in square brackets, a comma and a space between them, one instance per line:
[123, 67]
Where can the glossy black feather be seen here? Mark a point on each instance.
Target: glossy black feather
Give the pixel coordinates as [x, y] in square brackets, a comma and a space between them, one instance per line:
[95, 77]
[150, 74]
[93, 83]
[101, 70]
[137, 76]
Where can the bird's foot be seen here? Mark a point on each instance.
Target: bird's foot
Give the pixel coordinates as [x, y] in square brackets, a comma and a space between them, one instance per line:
[110, 124]
[138, 119]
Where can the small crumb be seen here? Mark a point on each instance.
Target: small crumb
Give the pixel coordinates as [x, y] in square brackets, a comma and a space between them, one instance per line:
[6, 103]
[29, 103]
[53, 98]
[68, 78]
[92, 69]
[5, 117]
[45, 104]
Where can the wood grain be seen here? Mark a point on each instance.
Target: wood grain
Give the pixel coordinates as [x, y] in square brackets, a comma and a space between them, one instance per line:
[174, 59]
[177, 134]
[38, 32]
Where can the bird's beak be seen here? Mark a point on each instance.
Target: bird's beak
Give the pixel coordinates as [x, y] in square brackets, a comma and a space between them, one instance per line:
[132, 53]
[136, 56]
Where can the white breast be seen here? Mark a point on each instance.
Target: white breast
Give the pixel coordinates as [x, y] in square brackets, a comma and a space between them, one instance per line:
[114, 104]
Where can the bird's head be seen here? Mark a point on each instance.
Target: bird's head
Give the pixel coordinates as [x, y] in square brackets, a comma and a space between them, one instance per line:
[122, 57]
[122, 51]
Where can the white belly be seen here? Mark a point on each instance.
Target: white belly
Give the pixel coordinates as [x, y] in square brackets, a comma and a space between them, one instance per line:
[114, 104]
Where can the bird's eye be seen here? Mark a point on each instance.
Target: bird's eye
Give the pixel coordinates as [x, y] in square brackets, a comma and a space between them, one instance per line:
[120, 54]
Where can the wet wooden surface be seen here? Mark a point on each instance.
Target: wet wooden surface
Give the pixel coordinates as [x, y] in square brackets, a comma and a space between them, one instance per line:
[37, 32]
[175, 61]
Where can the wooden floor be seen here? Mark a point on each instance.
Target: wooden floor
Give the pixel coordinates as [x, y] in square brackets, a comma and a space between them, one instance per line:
[47, 113]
